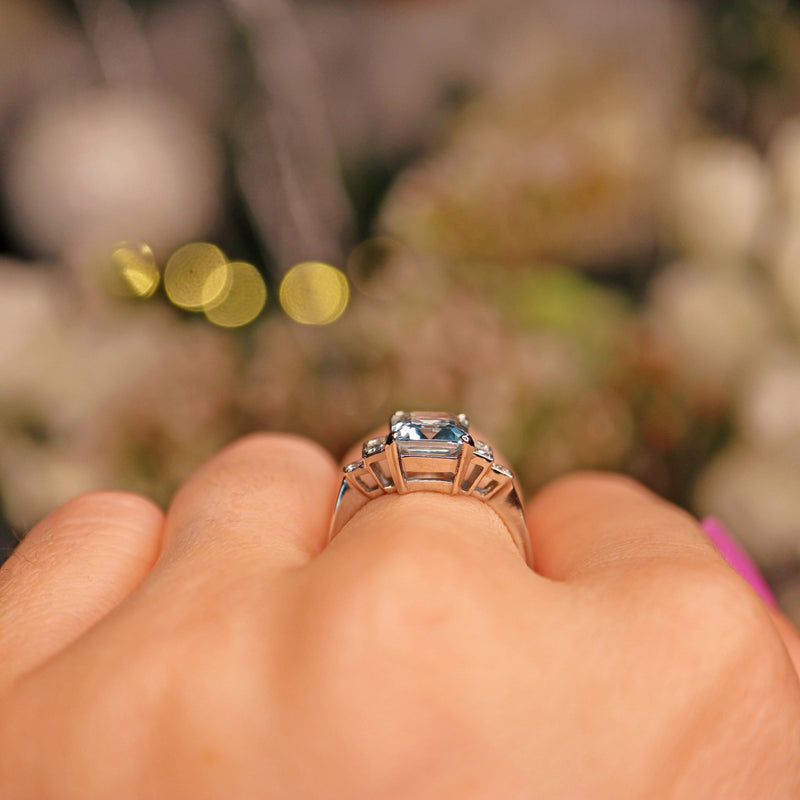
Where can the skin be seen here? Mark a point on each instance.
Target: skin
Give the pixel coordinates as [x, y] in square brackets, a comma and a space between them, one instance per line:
[223, 650]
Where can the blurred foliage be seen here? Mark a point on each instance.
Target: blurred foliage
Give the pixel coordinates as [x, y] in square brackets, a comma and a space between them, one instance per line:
[585, 213]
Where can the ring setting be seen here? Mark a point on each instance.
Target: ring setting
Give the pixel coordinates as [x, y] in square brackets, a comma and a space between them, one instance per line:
[432, 452]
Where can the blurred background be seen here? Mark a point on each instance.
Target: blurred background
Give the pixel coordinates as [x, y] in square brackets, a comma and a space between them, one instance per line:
[576, 220]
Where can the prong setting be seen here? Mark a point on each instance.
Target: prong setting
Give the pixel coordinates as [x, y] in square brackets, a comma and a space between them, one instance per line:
[431, 451]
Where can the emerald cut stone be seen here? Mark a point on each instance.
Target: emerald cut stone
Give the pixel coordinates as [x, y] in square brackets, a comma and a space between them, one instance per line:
[436, 435]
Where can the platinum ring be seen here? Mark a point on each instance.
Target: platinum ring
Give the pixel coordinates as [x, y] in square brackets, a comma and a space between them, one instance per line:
[431, 452]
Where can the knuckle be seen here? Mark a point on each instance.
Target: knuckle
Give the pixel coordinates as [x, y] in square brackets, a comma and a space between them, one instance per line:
[724, 618]
[83, 516]
[97, 503]
[269, 445]
[609, 480]
[729, 648]
[590, 482]
[279, 463]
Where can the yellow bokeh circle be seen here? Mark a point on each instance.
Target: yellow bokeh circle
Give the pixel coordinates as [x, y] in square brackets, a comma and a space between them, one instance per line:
[134, 270]
[197, 277]
[245, 299]
[314, 293]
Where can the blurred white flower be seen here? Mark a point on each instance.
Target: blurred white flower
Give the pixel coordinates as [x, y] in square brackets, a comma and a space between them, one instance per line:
[718, 199]
[562, 154]
[756, 495]
[713, 322]
[784, 156]
[27, 305]
[784, 269]
[769, 407]
[131, 399]
[102, 166]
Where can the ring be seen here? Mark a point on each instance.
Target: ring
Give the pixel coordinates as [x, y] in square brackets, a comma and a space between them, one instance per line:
[431, 452]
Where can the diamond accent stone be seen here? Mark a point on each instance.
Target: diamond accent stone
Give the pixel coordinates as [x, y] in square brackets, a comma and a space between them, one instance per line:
[353, 466]
[484, 451]
[373, 447]
[436, 434]
[502, 471]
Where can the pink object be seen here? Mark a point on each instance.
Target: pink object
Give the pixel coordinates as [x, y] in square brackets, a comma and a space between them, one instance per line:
[738, 558]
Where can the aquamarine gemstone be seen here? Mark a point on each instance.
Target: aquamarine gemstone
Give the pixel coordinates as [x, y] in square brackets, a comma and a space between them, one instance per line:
[428, 434]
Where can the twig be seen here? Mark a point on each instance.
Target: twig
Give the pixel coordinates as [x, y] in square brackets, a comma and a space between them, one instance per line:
[119, 44]
[287, 165]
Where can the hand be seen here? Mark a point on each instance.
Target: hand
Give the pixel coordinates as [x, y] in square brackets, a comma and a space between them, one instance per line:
[223, 651]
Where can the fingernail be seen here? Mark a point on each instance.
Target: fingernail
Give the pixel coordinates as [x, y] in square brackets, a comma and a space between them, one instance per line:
[738, 558]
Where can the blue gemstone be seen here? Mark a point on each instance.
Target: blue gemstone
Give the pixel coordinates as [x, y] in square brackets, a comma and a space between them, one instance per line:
[428, 434]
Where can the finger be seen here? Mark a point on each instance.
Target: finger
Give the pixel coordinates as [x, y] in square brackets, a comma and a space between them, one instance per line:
[790, 635]
[431, 522]
[433, 526]
[739, 559]
[71, 570]
[265, 500]
[586, 522]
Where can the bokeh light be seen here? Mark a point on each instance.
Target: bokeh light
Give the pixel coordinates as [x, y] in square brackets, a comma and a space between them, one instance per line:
[314, 293]
[244, 301]
[134, 270]
[197, 277]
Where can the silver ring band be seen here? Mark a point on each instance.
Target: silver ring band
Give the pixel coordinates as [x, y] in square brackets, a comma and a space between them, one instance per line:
[431, 452]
